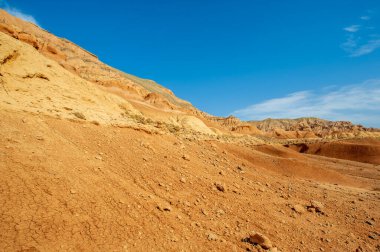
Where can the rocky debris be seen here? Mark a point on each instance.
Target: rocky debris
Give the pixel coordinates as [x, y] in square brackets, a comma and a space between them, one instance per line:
[183, 180]
[164, 208]
[298, 208]
[211, 236]
[185, 157]
[240, 169]
[219, 187]
[259, 239]
[40, 138]
[220, 212]
[316, 207]
[373, 235]
[204, 212]
[370, 222]
[359, 249]
[36, 75]
[79, 115]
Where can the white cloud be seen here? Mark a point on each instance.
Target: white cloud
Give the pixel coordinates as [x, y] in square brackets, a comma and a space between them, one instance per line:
[17, 13]
[350, 44]
[361, 39]
[352, 28]
[367, 48]
[357, 103]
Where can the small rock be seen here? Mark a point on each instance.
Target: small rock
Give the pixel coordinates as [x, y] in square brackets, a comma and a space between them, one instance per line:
[204, 212]
[186, 157]
[359, 249]
[183, 180]
[164, 208]
[174, 239]
[220, 212]
[260, 239]
[212, 237]
[315, 206]
[72, 191]
[220, 187]
[239, 168]
[298, 209]
[40, 138]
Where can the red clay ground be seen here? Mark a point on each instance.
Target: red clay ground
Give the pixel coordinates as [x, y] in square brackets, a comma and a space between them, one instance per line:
[362, 150]
[76, 186]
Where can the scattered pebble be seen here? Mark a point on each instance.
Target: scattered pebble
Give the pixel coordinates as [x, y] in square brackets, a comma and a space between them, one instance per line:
[220, 187]
[186, 157]
[164, 208]
[211, 236]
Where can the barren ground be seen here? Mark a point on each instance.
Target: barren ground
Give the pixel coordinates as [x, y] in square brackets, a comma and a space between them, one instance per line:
[68, 185]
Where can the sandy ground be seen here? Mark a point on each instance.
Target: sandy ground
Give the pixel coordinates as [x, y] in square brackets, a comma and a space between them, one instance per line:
[68, 186]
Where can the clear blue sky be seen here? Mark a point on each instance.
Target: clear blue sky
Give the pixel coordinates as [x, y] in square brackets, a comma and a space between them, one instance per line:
[251, 58]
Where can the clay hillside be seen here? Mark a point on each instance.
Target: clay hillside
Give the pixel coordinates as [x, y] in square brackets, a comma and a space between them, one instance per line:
[94, 159]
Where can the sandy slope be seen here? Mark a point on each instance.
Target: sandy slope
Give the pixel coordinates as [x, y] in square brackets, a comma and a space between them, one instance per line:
[77, 186]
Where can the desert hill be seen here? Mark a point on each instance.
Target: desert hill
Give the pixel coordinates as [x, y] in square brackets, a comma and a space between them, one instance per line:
[94, 159]
[309, 127]
[83, 63]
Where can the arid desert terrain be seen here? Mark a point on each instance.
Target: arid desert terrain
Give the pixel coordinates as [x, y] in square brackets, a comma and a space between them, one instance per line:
[94, 159]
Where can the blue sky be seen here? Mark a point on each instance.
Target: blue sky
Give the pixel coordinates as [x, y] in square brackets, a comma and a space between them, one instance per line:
[251, 58]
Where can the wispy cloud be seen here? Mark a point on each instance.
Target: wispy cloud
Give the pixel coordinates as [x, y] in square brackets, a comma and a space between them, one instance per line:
[361, 39]
[367, 48]
[357, 103]
[352, 28]
[17, 13]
